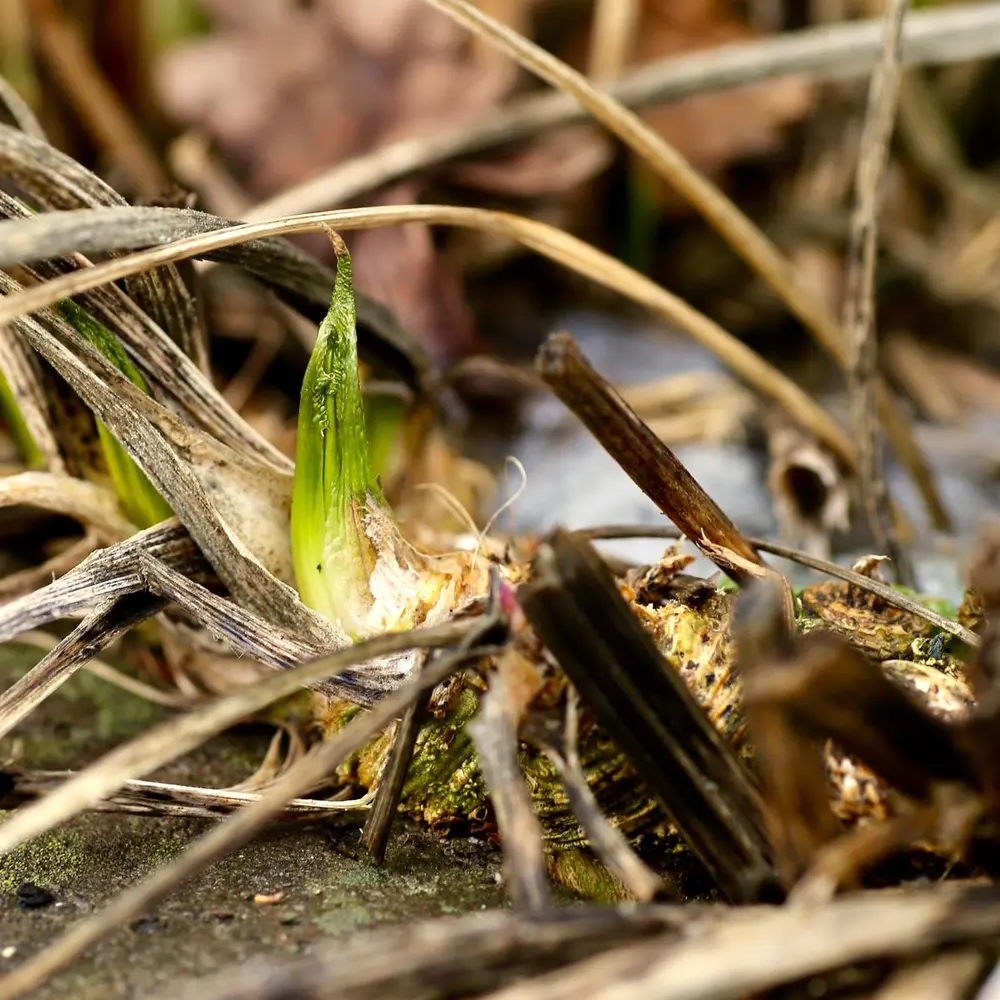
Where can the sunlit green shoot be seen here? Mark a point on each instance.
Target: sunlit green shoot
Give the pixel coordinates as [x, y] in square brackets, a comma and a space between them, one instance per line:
[15, 421]
[336, 495]
[142, 504]
[386, 411]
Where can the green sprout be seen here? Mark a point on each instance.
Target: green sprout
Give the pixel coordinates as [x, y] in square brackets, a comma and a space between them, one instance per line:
[140, 501]
[18, 427]
[386, 413]
[335, 493]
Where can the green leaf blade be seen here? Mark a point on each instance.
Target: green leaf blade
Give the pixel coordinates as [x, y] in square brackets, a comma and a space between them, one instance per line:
[139, 499]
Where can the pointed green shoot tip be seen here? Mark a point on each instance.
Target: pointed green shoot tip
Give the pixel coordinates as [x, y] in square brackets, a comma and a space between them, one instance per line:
[335, 487]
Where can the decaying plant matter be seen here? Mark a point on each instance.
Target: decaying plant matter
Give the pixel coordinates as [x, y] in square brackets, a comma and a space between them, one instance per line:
[631, 732]
[643, 783]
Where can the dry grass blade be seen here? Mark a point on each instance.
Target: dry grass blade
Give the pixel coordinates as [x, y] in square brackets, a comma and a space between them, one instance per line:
[378, 823]
[178, 736]
[156, 582]
[915, 367]
[296, 277]
[495, 734]
[612, 30]
[31, 578]
[97, 631]
[859, 307]
[15, 110]
[177, 378]
[882, 590]
[56, 181]
[247, 634]
[547, 240]
[164, 364]
[112, 675]
[446, 957]
[764, 949]
[951, 34]
[84, 501]
[108, 573]
[759, 252]
[650, 464]
[239, 828]
[163, 798]
[251, 506]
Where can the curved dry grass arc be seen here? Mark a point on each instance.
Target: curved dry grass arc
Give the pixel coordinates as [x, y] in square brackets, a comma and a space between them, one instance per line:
[546, 240]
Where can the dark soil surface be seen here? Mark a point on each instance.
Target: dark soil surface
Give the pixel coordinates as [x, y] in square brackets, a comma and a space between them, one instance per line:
[326, 884]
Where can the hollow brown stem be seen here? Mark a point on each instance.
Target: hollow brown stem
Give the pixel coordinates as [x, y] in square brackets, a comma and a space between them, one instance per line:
[651, 465]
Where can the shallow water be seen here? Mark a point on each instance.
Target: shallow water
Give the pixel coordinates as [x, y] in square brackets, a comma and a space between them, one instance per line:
[571, 481]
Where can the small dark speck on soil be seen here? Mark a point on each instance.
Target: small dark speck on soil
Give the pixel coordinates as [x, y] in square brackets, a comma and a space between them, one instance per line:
[33, 897]
[148, 925]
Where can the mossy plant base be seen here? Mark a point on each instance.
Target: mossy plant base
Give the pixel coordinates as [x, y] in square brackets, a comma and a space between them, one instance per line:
[444, 786]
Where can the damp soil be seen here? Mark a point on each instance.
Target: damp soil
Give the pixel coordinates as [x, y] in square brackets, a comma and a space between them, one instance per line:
[319, 881]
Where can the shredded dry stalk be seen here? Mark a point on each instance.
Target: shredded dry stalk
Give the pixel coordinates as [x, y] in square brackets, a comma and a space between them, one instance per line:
[178, 736]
